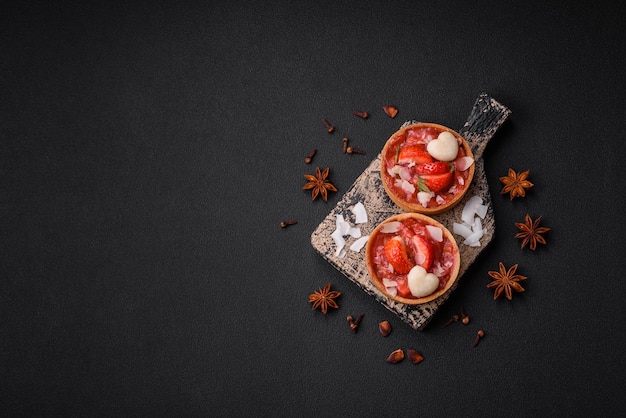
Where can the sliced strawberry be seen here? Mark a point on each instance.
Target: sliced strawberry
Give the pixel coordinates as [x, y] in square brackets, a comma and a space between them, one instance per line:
[437, 182]
[396, 255]
[433, 167]
[415, 154]
[424, 253]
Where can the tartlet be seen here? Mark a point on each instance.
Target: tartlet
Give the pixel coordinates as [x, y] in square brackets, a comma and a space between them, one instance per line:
[406, 252]
[426, 168]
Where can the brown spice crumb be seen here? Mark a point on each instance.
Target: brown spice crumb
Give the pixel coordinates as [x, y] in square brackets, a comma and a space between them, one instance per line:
[396, 356]
[391, 111]
[384, 328]
[414, 356]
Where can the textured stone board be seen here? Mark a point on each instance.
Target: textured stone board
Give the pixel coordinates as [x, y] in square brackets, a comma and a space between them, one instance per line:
[486, 117]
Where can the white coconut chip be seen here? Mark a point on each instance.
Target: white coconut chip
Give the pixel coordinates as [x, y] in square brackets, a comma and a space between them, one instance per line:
[481, 210]
[435, 232]
[354, 232]
[474, 239]
[478, 226]
[339, 241]
[472, 228]
[462, 229]
[407, 187]
[344, 229]
[469, 210]
[424, 198]
[391, 286]
[359, 243]
[405, 173]
[360, 214]
[390, 227]
[464, 163]
[342, 225]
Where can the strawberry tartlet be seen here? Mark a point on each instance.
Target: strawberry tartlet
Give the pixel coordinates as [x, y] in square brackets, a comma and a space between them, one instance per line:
[412, 258]
[426, 168]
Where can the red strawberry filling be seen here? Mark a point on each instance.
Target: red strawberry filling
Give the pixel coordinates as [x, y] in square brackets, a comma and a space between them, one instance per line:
[394, 254]
[416, 176]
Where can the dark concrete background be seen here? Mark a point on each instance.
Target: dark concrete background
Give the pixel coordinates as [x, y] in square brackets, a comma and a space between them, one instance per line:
[149, 151]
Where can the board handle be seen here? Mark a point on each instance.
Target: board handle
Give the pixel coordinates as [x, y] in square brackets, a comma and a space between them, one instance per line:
[486, 117]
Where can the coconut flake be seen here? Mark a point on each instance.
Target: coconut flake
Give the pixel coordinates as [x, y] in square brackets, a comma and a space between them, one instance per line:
[405, 173]
[389, 283]
[464, 163]
[469, 210]
[390, 227]
[435, 232]
[360, 213]
[424, 198]
[342, 225]
[474, 239]
[391, 286]
[481, 210]
[472, 228]
[478, 226]
[354, 232]
[407, 187]
[339, 241]
[359, 243]
[462, 229]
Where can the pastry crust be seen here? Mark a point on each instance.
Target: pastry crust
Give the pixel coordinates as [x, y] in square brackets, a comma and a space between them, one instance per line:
[426, 220]
[433, 209]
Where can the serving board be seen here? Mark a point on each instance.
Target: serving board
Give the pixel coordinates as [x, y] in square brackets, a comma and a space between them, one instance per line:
[486, 117]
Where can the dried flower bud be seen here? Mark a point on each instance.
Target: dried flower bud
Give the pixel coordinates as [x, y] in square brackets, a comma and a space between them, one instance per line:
[354, 323]
[396, 356]
[384, 328]
[414, 356]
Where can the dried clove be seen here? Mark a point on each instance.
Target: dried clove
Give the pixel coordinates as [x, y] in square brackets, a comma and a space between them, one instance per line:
[309, 157]
[480, 334]
[352, 150]
[330, 128]
[451, 320]
[285, 224]
[354, 323]
[345, 144]
[464, 318]
[363, 115]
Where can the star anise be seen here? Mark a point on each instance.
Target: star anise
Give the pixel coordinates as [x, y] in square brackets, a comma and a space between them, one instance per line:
[324, 298]
[507, 281]
[531, 232]
[516, 183]
[319, 184]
